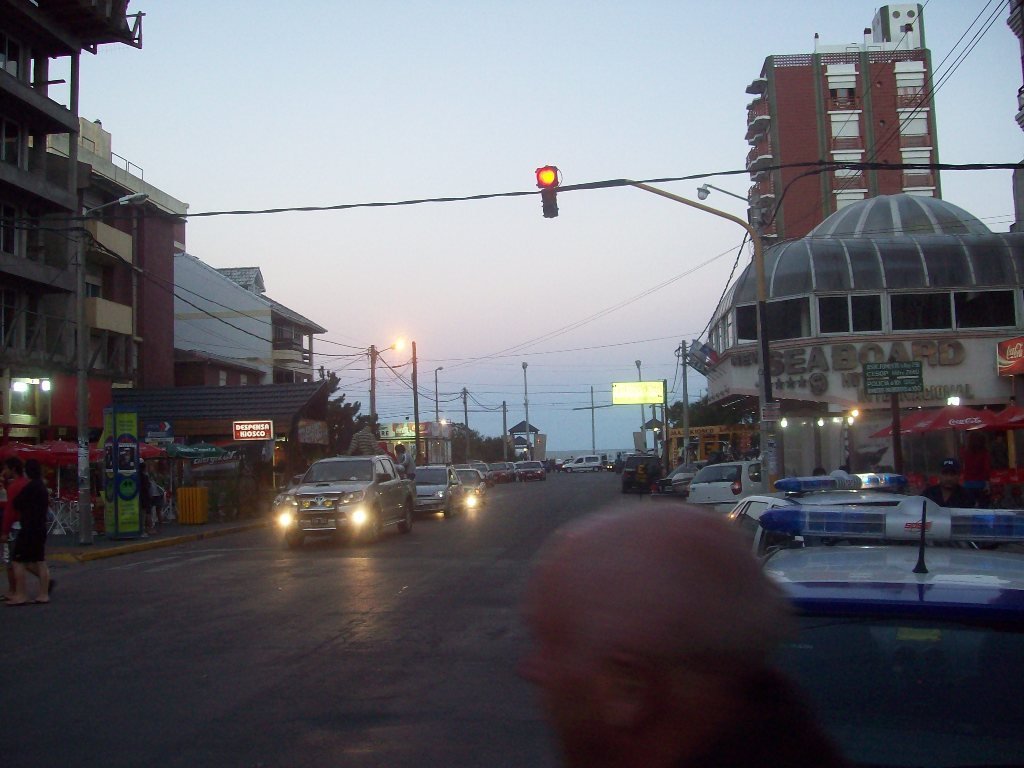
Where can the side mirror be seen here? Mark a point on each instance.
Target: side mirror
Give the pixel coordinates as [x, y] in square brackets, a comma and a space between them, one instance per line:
[382, 477]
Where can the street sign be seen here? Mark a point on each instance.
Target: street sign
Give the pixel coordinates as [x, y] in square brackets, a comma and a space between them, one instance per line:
[893, 378]
[772, 411]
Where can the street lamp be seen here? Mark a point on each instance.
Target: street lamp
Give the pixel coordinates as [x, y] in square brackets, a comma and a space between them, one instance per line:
[643, 426]
[765, 389]
[374, 353]
[705, 189]
[437, 412]
[526, 406]
[82, 365]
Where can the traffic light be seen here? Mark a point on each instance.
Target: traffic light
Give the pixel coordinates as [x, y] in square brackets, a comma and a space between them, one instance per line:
[548, 179]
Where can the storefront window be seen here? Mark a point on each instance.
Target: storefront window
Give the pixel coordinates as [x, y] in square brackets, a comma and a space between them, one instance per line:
[789, 319]
[746, 324]
[984, 309]
[867, 313]
[920, 311]
[833, 314]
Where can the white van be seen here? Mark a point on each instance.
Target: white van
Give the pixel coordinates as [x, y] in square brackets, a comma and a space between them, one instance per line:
[584, 464]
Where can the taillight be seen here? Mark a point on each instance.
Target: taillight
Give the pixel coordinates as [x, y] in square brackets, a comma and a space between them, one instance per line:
[736, 487]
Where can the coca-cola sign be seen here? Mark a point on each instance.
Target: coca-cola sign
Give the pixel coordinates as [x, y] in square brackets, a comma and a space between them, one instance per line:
[1010, 357]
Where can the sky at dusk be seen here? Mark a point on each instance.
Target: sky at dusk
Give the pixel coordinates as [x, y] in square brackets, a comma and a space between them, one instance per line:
[252, 105]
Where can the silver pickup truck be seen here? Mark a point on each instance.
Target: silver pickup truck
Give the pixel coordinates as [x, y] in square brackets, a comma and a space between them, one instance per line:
[347, 495]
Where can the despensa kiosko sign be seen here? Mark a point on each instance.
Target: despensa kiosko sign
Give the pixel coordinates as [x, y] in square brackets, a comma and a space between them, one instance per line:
[252, 430]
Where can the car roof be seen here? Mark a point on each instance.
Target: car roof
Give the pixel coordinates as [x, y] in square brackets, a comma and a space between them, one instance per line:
[828, 498]
[959, 582]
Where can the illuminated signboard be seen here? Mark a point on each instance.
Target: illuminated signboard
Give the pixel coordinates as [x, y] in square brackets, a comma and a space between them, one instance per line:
[638, 392]
[1010, 357]
[253, 430]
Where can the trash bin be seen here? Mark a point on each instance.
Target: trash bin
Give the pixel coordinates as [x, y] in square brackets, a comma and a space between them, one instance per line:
[193, 505]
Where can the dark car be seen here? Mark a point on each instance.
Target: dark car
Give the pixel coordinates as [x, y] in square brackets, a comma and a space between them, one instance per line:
[530, 470]
[640, 473]
[475, 484]
[501, 472]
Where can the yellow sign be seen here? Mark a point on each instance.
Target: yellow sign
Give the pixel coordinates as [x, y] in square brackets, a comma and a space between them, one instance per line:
[638, 393]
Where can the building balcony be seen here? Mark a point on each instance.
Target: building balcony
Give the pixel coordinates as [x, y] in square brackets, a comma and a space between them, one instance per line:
[911, 101]
[918, 181]
[761, 190]
[107, 315]
[843, 104]
[759, 156]
[918, 141]
[758, 85]
[847, 143]
[108, 242]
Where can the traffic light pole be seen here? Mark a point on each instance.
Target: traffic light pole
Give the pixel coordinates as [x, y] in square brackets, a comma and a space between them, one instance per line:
[767, 436]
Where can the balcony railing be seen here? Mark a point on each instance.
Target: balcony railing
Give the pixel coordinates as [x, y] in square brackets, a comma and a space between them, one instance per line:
[916, 140]
[840, 143]
[843, 103]
[914, 180]
[911, 100]
[760, 154]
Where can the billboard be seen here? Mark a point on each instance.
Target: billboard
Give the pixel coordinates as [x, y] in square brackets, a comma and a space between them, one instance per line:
[638, 393]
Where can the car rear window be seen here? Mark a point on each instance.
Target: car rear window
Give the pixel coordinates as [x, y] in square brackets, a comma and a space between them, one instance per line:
[431, 476]
[899, 692]
[718, 473]
[339, 471]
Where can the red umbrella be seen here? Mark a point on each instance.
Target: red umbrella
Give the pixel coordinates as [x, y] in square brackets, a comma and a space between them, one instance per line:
[1011, 417]
[955, 417]
[54, 452]
[15, 449]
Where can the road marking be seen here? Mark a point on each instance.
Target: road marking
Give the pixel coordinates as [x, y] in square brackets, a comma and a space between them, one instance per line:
[180, 562]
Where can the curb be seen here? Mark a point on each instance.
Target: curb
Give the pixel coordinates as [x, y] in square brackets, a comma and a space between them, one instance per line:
[73, 556]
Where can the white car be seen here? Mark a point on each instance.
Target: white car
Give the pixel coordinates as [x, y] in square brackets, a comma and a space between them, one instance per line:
[589, 463]
[720, 486]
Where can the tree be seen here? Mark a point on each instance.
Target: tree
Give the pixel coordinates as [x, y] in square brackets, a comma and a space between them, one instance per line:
[707, 414]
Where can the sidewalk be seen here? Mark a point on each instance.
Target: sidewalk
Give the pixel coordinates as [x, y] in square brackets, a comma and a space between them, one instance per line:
[65, 548]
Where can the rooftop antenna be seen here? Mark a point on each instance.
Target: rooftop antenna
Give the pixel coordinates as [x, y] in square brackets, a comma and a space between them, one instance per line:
[921, 567]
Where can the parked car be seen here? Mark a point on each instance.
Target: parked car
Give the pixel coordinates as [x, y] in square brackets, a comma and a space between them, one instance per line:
[720, 486]
[640, 473]
[588, 463]
[530, 470]
[438, 489]
[475, 485]
[355, 496]
[678, 480]
[481, 466]
[501, 472]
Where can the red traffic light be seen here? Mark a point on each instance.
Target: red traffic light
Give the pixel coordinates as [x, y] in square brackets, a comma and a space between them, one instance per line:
[548, 177]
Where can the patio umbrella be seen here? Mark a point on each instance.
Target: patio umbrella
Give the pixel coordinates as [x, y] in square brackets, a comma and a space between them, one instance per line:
[59, 453]
[1011, 417]
[15, 449]
[959, 418]
[955, 417]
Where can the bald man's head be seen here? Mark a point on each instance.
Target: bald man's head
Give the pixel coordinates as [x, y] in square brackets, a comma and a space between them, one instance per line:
[664, 582]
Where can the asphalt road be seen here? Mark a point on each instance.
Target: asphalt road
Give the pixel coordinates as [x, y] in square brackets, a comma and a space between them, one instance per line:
[238, 652]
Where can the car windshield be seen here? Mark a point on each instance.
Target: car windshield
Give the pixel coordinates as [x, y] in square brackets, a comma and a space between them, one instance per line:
[431, 476]
[897, 692]
[339, 471]
[718, 473]
[498, 466]
[530, 465]
[469, 476]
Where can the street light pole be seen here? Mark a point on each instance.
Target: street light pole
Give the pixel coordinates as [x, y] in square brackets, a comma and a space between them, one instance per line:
[437, 407]
[373, 381]
[643, 419]
[526, 406]
[765, 389]
[415, 406]
[82, 365]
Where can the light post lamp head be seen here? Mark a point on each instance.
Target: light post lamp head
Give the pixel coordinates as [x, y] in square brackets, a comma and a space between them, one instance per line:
[524, 366]
[703, 191]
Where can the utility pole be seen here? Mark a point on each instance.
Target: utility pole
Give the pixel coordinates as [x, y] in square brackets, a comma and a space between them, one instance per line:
[643, 419]
[373, 381]
[686, 404]
[416, 407]
[593, 433]
[465, 419]
[526, 406]
[504, 431]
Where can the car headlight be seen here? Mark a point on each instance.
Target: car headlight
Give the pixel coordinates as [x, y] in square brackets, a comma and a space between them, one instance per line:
[471, 501]
[358, 516]
[440, 494]
[351, 497]
[286, 519]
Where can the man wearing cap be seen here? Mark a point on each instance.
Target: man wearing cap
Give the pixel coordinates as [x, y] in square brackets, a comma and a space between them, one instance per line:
[948, 492]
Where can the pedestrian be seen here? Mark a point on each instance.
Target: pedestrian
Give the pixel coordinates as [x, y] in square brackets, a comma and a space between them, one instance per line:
[948, 492]
[364, 442]
[29, 552]
[405, 462]
[14, 480]
[975, 468]
[652, 636]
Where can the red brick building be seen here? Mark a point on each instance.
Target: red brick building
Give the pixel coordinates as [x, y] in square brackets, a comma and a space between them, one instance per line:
[867, 101]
